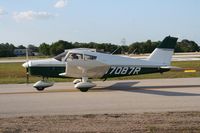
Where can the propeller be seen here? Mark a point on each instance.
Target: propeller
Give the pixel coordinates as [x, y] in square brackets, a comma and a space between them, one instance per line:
[27, 68]
[27, 75]
[26, 65]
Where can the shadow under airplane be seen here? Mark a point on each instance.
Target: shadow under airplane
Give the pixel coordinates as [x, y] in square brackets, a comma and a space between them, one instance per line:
[129, 86]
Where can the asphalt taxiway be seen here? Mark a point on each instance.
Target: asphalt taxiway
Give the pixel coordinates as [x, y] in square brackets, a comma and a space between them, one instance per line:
[132, 96]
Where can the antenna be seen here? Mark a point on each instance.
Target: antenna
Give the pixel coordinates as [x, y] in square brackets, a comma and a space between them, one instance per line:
[115, 50]
[27, 54]
[134, 51]
[123, 41]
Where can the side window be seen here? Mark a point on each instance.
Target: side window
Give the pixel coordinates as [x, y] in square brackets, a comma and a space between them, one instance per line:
[89, 57]
[75, 56]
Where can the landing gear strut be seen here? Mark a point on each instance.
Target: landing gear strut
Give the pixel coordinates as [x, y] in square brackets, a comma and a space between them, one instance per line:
[76, 81]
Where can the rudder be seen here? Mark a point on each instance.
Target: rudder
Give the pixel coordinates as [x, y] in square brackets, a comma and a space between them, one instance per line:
[163, 53]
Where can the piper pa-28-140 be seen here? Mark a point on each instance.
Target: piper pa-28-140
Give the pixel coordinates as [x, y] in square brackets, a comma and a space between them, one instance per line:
[85, 64]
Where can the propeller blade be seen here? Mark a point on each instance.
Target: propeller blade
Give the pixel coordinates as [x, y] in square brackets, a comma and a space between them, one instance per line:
[27, 67]
[27, 75]
[27, 59]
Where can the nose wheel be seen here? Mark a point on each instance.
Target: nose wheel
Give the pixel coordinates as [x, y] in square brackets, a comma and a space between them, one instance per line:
[42, 84]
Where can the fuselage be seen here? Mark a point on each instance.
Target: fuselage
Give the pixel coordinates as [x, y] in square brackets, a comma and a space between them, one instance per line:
[100, 65]
[93, 65]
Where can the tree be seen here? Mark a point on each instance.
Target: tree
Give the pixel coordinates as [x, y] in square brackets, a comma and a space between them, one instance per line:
[33, 48]
[21, 47]
[44, 49]
[59, 47]
[7, 50]
[187, 46]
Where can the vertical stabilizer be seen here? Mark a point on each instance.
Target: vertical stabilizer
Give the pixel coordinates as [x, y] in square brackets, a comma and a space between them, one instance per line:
[163, 53]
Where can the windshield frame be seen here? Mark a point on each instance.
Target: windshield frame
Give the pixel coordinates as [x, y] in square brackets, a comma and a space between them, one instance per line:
[61, 56]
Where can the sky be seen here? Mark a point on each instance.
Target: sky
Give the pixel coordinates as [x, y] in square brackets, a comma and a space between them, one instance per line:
[24, 22]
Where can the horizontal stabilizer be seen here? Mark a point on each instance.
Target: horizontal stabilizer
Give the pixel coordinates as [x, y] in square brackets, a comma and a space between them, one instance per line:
[173, 68]
[179, 69]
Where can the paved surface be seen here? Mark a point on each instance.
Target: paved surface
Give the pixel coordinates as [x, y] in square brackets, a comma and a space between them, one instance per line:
[156, 95]
[13, 61]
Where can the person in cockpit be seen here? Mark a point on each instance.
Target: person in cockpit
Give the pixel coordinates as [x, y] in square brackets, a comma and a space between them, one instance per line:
[74, 56]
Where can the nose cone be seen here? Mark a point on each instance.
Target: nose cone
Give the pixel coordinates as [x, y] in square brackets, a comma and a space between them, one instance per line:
[25, 65]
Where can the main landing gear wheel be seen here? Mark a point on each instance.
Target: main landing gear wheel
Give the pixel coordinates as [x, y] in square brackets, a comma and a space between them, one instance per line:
[84, 89]
[84, 85]
[40, 88]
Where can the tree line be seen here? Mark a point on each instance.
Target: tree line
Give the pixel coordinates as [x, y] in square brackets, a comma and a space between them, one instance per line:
[7, 50]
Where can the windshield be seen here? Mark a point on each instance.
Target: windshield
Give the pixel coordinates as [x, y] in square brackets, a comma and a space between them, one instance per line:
[78, 56]
[61, 56]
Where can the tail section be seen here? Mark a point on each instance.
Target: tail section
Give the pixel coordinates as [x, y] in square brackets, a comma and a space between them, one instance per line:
[163, 53]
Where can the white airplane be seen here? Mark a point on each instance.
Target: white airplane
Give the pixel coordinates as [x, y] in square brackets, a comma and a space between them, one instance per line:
[85, 64]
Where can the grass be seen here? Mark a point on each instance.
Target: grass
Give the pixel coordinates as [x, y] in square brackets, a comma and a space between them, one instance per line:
[15, 73]
[23, 57]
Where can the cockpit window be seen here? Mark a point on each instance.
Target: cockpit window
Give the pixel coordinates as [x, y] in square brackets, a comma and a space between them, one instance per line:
[75, 56]
[89, 57]
[61, 56]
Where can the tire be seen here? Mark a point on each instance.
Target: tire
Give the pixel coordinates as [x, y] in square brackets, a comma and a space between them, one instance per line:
[40, 88]
[84, 89]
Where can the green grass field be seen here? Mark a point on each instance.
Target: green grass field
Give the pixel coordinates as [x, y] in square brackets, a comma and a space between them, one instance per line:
[23, 57]
[15, 73]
